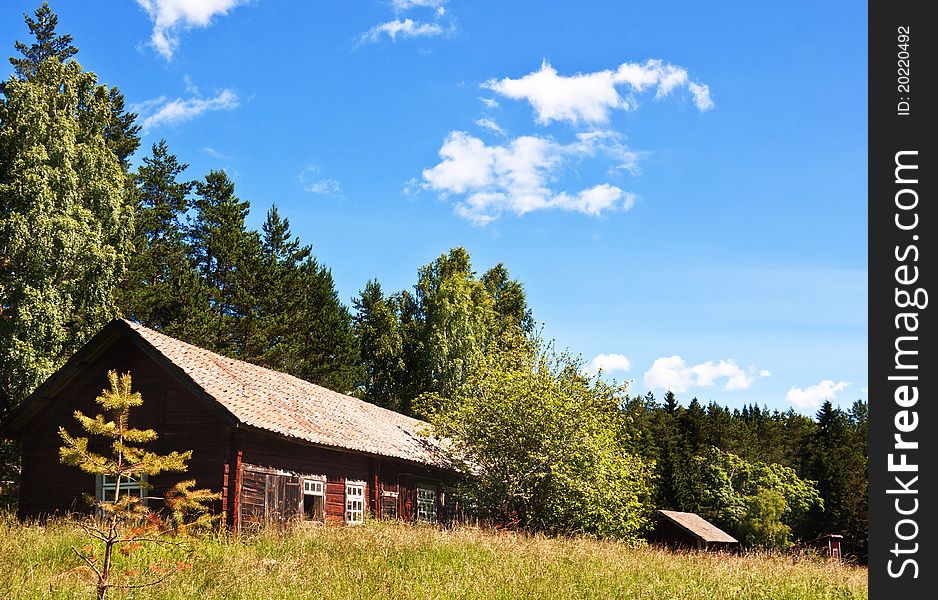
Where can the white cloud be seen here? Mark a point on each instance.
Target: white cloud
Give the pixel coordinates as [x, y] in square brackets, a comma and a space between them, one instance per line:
[405, 5]
[311, 181]
[590, 97]
[813, 395]
[160, 111]
[490, 124]
[515, 177]
[171, 16]
[701, 94]
[216, 154]
[408, 28]
[326, 187]
[608, 363]
[671, 373]
[489, 102]
[765, 373]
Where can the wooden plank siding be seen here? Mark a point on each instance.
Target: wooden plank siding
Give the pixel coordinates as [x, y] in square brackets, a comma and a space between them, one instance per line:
[182, 422]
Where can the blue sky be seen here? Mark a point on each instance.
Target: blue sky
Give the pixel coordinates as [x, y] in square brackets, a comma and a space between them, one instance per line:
[681, 186]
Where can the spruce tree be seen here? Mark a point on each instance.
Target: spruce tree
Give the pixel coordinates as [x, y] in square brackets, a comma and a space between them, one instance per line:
[509, 299]
[323, 340]
[276, 293]
[377, 326]
[48, 44]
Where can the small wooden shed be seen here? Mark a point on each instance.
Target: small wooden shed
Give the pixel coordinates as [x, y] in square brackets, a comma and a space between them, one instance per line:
[689, 530]
[278, 448]
[829, 544]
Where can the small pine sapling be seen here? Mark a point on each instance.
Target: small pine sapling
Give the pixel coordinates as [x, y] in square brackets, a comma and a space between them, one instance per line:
[122, 521]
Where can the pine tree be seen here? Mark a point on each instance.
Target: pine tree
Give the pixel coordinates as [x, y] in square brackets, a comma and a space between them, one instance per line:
[162, 290]
[226, 255]
[124, 521]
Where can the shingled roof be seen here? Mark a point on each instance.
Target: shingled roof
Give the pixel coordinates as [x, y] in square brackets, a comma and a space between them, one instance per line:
[265, 399]
[698, 526]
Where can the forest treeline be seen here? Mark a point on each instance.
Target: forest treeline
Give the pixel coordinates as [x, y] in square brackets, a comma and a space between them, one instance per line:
[91, 229]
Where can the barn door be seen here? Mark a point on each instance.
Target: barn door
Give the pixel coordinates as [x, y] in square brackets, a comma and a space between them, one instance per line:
[291, 498]
[269, 497]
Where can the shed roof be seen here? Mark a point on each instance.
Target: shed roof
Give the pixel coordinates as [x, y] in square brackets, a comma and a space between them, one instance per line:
[698, 526]
[270, 400]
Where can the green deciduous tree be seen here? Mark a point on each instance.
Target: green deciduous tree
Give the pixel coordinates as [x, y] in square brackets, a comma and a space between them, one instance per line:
[458, 319]
[508, 299]
[541, 445]
[761, 524]
[65, 229]
[724, 484]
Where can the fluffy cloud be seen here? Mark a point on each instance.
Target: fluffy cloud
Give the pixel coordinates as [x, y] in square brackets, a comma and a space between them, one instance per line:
[608, 363]
[590, 97]
[171, 16]
[161, 111]
[813, 395]
[514, 177]
[671, 373]
[701, 94]
[407, 28]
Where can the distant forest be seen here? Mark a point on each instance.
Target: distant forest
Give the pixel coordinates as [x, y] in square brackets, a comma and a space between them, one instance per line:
[86, 237]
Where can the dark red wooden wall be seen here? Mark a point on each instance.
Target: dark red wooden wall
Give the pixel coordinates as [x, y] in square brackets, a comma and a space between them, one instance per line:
[182, 421]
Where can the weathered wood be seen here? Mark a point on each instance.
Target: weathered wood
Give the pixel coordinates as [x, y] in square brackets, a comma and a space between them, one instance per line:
[182, 423]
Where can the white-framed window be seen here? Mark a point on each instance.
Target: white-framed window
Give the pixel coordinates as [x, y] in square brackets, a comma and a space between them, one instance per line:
[314, 498]
[354, 501]
[426, 504]
[107, 484]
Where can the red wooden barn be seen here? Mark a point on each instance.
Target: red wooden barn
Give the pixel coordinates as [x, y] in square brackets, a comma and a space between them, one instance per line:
[276, 447]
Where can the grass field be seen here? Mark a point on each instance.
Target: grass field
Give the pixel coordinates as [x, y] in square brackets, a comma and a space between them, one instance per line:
[380, 560]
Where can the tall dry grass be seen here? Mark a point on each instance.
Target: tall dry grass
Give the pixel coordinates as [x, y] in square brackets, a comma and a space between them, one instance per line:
[385, 560]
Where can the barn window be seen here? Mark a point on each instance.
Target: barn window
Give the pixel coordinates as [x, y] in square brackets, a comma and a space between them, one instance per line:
[106, 484]
[354, 501]
[314, 498]
[426, 505]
